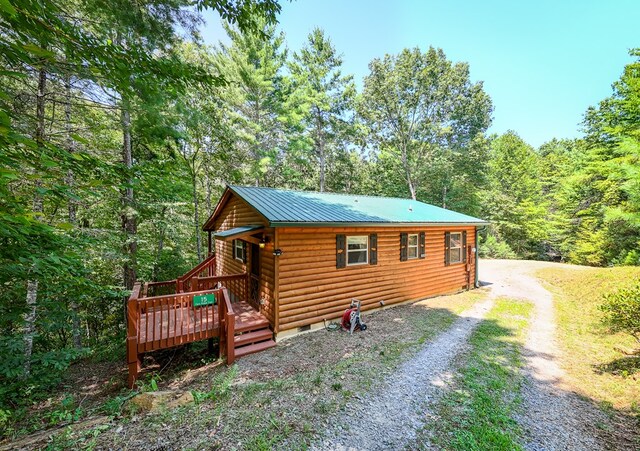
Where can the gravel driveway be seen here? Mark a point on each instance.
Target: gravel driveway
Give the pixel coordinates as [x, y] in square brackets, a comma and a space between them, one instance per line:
[388, 417]
[553, 418]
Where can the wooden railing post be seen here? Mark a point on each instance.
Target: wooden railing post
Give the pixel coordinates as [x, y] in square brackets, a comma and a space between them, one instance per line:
[212, 267]
[246, 289]
[133, 318]
[227, 326]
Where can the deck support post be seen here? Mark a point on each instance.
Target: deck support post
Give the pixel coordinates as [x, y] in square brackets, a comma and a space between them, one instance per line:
[134, 369]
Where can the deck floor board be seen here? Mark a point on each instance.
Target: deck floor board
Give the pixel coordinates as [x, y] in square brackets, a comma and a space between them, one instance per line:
[171, 323]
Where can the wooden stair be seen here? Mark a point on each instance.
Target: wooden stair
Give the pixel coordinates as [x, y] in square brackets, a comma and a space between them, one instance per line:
[254, 337]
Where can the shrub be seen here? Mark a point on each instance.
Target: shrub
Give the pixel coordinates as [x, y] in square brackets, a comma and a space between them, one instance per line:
[490, 247]
[622, 310]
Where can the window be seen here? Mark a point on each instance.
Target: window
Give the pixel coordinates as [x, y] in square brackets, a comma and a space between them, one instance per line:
[357, 250]
[412, 246]
[455, 247]
[238, 250]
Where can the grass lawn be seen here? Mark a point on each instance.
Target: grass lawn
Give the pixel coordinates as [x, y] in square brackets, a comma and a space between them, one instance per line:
[477, 411]
[280, 398]
[595, 368]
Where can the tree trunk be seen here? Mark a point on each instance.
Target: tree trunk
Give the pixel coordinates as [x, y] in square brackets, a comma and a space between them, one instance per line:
[129, 225]
[72, 207]
[320, 148]
[32, 284]
[154, 275]
[196, 213]
[407, 171]
[207, 179]
[30, 324]
[323, 165]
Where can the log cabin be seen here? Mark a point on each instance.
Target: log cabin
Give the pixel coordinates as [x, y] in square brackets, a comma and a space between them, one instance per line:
[308, 254]
[283, 262]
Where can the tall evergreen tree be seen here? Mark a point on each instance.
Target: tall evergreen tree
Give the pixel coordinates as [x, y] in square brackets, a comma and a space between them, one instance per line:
[252, 66]
[323, 99]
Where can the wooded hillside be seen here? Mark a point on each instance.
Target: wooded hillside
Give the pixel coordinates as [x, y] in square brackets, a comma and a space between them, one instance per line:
[119, 129]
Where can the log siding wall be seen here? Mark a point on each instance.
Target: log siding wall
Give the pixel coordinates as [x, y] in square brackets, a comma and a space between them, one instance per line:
[303, 286]
[311, 288]
[237, 213]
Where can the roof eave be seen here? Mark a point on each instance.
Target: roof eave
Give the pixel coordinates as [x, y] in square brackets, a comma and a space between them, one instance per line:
[378, 224]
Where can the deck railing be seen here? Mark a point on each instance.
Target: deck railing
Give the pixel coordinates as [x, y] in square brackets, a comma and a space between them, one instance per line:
[158, 321]
[206, 268]
[159, 288]
[236, 284]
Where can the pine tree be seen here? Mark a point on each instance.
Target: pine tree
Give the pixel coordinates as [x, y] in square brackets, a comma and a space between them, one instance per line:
[252, 67]
[323, 100]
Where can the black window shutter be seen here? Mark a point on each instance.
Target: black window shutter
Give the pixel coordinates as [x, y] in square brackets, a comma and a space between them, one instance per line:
[233, 249]
[244, 252]
[423, 247]
[464, 246]
[403, 247]
[341, 252]
[373, 249]
[447, 247]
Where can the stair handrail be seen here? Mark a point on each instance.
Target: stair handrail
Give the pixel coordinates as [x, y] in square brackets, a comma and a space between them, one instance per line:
[209, 261]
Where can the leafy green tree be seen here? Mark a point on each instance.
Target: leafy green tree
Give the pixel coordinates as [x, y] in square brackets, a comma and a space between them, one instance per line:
[513, 200]
[423, 109]
[559, 161]
[79, 86]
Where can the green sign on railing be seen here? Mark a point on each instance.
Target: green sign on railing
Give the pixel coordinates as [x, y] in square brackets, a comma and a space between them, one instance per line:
[204, 299]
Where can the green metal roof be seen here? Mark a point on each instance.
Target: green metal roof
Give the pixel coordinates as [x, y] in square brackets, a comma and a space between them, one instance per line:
[237, 231]
[291, 208]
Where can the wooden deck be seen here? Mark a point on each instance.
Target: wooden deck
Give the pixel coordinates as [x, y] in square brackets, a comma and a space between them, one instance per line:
[172, 317]
[168, 326]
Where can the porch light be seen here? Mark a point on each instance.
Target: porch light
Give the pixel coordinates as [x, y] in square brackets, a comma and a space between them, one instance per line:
[263, 242]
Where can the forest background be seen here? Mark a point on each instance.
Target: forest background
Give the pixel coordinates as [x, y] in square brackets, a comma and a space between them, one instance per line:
[119, 129]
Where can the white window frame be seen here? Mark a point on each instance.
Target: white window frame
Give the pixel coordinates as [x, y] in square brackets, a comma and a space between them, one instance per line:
[451, 234]
[411, 246]
[366, 249]
[238, 245]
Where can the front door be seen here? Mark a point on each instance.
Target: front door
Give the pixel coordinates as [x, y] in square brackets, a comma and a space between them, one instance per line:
[254, 276]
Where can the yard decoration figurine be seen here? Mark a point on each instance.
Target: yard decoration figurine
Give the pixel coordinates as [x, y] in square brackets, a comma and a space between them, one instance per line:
[352, 319]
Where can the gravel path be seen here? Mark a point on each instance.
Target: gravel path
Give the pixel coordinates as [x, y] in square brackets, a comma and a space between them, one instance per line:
[388, 417]
[552, 417]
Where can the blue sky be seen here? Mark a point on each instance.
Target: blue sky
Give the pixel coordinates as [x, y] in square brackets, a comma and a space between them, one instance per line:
[542, 62]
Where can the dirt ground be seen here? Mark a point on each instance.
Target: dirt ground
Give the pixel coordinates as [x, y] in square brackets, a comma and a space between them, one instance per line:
[280, 396]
